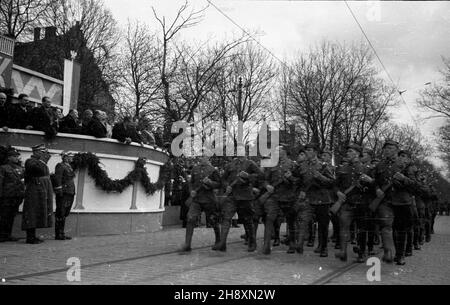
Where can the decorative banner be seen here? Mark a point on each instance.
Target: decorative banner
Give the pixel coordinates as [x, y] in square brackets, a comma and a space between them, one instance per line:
[72, 71]
[37, 85]
[6, 61]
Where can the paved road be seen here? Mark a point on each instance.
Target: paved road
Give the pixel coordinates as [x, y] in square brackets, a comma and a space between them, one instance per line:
[149, 259]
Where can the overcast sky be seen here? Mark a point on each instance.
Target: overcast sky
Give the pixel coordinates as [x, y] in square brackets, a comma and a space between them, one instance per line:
[409, 37]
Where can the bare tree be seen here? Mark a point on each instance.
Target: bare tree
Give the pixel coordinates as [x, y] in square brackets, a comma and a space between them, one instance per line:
[437, 97]
[18, 17]
[186, 17]
[335, 92]
[139, 75]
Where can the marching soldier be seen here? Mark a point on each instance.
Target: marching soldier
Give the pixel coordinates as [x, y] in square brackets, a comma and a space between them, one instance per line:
[368, 196]
[204, 179]
[352, 183]
[240, 179]
[12, 190]
[281, 183]
[38, 204]
[64, 188]
[393, 192]
[316, 181]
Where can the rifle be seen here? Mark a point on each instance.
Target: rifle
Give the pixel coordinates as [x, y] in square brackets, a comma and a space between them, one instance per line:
[338, 204]
[267, 194]
[373, 206]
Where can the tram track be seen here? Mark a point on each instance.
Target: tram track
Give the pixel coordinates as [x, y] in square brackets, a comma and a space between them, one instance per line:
[327, 278]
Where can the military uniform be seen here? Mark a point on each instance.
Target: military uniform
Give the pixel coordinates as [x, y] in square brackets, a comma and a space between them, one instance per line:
[204, 200]
[355, 207]
[284, 195]
[242, 175]
[317, 200]
[64, 188]
[394, 211]
[38, 204]
[12, 189]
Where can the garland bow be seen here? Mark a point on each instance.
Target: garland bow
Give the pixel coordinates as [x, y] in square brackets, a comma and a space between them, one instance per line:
[139, 173]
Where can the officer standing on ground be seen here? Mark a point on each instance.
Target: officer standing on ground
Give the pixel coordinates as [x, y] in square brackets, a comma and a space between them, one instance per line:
[12, 190]
[38, 204]
[204, 179]
[64, 188]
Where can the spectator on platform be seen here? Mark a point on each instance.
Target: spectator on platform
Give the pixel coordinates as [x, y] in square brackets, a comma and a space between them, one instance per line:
[43, 118]
[159, 137]
[96, 128]
[18, 114]
[3, 113]
[85, 120]
[104, 120]
[126, 132]
[70, 123]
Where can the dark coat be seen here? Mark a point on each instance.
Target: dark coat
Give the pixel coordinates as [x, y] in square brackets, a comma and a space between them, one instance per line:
[38, 204]
[11, 181]
[400, 193]
[317, 189]
[205, 193]
[97, 129]
[44, 120]
[349, 174]
[285, 188]
[18, 117]
[3, 116]
[69, 125]
[120, 133]
[63, 179]
[242, 189]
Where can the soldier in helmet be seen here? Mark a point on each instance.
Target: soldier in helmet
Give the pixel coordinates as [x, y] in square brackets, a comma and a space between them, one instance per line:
[351, 183]
[64, 188]
[314, 197]
[12, 190]
[240, 178]
[204, 179]
[38, 204]
[281, 184]
[393, 188]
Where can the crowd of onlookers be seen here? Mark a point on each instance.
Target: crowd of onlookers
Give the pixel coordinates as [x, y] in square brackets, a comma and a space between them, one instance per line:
[20, 115]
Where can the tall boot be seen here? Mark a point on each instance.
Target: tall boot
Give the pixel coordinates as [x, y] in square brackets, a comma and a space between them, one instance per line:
[409, 242]
[188, 240]
[312, 234]
[276, 233]
[58, 229]
[268, 229]
[31, 237]
[222, 245]
[251, 236]
[416, 238]
[362, 240]
[292, 237]
[401, 244]
[216, 228]
[343, 237]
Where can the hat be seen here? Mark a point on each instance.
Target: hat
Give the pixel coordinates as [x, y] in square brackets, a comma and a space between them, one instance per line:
[405, 152]
[12, 152]
[66, 153]
[312, 145]
[300, 149]
[355, 147]
[390, 142]
[39, 147]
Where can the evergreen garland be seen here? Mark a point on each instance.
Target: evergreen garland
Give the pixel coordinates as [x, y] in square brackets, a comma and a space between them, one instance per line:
[139, 173]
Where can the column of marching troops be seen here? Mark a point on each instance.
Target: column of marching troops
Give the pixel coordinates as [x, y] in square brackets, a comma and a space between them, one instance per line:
[33, 185]
[364, 198]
